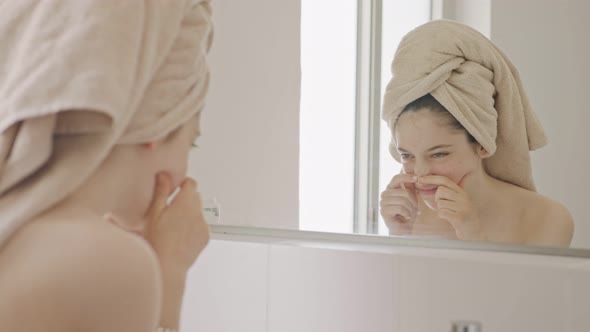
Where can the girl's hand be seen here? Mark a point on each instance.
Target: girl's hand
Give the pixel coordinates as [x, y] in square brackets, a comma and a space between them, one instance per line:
[454, 206]
[398, 204]
[177, 231]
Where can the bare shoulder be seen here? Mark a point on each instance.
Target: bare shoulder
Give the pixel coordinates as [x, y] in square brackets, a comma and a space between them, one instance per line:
[83, 275]
[547, 222]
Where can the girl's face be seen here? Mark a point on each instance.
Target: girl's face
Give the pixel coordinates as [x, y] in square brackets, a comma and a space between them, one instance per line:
[428, 145]
[169, 156]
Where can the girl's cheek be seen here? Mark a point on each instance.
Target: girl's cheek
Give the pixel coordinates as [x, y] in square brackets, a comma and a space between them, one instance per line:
[452, 171]
[445, 170]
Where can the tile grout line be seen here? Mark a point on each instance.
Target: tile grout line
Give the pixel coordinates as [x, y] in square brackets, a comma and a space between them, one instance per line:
[267, 288]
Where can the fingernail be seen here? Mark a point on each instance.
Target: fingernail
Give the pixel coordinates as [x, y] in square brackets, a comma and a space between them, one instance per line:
[415, 178]
[184, 184]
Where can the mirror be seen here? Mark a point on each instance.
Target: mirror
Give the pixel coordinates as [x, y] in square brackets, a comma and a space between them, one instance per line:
[281, 132]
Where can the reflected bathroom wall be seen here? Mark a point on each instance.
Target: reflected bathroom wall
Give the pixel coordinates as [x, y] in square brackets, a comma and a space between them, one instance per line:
[547, 41]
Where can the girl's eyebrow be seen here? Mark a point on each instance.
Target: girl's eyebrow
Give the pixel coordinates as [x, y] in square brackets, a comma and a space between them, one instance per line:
[440, 146]
[431, 149]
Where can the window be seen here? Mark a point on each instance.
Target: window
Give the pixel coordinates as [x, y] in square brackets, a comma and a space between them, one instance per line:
[327, 120]
[346, 50]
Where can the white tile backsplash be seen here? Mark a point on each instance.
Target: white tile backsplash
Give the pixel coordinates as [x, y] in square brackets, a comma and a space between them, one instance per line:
[579, 290]
[226, 289]
[318, 290]
[265, 286]
[503, 297]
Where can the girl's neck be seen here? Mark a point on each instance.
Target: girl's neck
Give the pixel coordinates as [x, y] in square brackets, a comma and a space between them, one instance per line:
[114, 188]
[482, 192]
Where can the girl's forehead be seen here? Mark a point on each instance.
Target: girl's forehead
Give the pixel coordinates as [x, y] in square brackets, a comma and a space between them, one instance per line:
[422, 126]
[422, 117]
[424, 133]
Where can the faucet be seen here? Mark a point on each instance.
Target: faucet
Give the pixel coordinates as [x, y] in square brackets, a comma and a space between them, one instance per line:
[466, 326]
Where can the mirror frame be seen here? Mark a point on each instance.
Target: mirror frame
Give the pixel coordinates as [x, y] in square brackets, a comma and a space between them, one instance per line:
[394, 241]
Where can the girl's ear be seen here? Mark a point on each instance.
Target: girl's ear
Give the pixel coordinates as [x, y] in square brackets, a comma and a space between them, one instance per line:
[483, 153]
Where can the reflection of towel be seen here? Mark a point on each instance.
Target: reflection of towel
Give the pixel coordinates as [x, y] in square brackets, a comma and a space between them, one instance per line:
[477, 83]
[78, 77]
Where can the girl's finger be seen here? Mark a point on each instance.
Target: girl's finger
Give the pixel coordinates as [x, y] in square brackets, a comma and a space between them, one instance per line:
[399, 179]
[444, 193]
[390, 212]
[393, 195]
[448, 215]
[447, 205]
[159, 201]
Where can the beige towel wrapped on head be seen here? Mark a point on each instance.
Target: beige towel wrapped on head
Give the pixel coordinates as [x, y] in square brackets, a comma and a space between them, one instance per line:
[477, 84]
[78, 77]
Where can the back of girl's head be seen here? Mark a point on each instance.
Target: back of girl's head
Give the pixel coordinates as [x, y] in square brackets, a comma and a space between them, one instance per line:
[428, 102]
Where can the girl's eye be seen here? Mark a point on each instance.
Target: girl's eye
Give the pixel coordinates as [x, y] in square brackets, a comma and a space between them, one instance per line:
[440, 155]
[405, 156]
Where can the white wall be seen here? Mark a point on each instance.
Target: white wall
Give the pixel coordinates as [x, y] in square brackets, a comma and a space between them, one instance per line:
[548, 42]
[267, 285]
[249, 152]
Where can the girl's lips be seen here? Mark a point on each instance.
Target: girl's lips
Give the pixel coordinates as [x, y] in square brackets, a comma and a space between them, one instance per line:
[427, 191]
